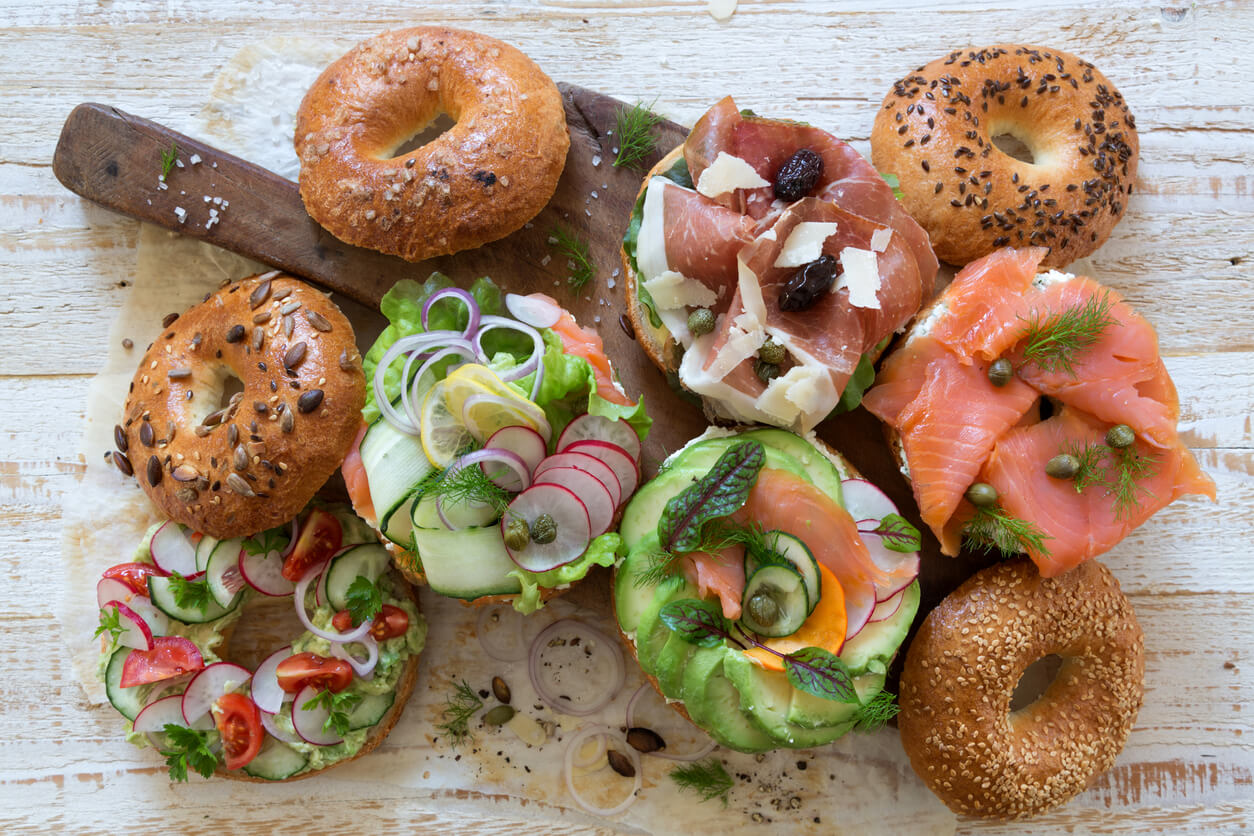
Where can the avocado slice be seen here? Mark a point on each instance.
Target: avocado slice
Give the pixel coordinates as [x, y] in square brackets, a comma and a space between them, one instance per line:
[652, 633]
[670, 665]
[765, 697]
[818, 468]
[630, 598]
[713, 703]
[810, 712]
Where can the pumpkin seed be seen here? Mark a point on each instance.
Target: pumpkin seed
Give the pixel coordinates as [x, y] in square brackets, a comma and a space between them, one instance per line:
[500, 689]
[620, 763]
[645, 740]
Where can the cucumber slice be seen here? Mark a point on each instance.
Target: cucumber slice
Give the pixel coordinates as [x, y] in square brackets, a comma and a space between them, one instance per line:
[797, 553]
[128, 701]
[162, 595]
[276, 761]
[459, 514]
[370, 710]
[204, 550]
[466, 564]
[369, 561]
[395, 465]
[397, 525]
[222, 573]
[775, 602]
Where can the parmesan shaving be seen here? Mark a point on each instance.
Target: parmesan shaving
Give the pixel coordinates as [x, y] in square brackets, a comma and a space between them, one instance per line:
[880, 239]
[675, 290]
[861, 275]
[804, 244]
[726, 174]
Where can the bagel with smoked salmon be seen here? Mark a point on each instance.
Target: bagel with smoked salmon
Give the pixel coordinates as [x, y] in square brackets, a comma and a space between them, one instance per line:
[767, 264]
[798, 567]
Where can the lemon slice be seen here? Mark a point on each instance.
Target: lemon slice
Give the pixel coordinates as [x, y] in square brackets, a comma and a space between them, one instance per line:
[484, 414]
[442, 432]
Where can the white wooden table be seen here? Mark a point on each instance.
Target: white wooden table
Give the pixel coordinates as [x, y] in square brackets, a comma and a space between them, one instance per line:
[1184, 255]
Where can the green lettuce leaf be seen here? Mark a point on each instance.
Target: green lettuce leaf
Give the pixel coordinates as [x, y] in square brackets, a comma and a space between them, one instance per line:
[603, 551]
[402, 305]
[861, 380]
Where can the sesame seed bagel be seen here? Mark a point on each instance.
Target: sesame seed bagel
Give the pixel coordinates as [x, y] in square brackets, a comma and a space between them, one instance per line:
[935, 131]
[233, 469]
[956, 725]
[479, 181]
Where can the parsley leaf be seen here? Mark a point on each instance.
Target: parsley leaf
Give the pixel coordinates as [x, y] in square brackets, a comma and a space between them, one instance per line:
[111, 623]
[188, 747]
[190, 595]
[338, 707]
[364, 599]
[273, 540]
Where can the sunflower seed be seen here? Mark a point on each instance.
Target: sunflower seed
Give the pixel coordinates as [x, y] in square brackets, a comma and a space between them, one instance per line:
[620, 763]
[145, 434]
[645, 740]
[259, 294]
[235, 333]
[123, 463]
[289, 308]
[346, 362]
[201, 430]
[215, 418]
[241, 458]
[259, 337]
[154, 471]
[317, 320]
[168, 320]
[236, 398]
[500, 689]
[288, 421]
[259, 318]
[260, 407]
[119, 438]
[186, 473]
[288, 325]
[238, 484]
[281, 294]
[181, 373]
[294, 356]
[232, 435]
[170, 430]
[309, 401]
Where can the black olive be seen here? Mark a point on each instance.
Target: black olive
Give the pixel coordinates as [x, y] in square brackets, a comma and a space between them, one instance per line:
[645, 740]
[1000, 372]
[809, 284]
[982, 494]
[798, 176]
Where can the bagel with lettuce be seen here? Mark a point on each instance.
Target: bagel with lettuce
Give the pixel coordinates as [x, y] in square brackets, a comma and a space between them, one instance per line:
[765, 589]
[497, 447]
[767, 265]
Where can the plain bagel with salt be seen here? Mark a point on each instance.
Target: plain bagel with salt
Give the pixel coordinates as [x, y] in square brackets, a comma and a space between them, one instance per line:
[485, 177]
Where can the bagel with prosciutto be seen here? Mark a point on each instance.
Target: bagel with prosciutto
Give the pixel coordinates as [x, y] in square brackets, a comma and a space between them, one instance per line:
[496, 448]
[767, 264]
[766, 588]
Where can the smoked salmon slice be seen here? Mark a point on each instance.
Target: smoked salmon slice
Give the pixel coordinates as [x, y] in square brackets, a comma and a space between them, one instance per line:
[586, 343]
[987, 304]
[723, 574]
[354, 473]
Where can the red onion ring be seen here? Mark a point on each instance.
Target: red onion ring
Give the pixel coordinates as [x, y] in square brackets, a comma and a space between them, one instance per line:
[568, 769]
[409, 393]
[472, 308]
[596, 756]
[364, 669]
[405, 345]
[291, 544]
[301, 588]
[700, 753]
[518, 637]
[538, 313]
[585, 631]
[492, 323]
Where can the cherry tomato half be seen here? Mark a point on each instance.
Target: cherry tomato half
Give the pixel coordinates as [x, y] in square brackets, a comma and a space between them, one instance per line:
[239, 722]
[134, 575]
[325, 674]
[388, 624]
[170, 656]
[320, 537]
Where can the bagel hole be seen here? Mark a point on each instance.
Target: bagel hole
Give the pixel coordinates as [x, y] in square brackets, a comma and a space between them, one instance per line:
[433, 129]
[231, 385]
[1012, 146]
[1036, 679]
[267, 625]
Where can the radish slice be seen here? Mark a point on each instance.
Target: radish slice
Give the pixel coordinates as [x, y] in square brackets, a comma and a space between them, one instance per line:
[135, 631]
[864, 501]
[599, 428]
[265, 688]
[886, 609]
[212, 682]
[363, 668]
[590, 464]
[619, 460]
[172, 551]
[308, 723]
[167, 711]
[264, 573]
[574, 530]
[524, 442]
[112, 589]
[532, 310]
[902, 567]
[276, 731]
[157, 621]
[596, 498]
[859, 604]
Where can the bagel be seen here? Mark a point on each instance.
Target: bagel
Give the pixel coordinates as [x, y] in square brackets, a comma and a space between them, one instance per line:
[961, 670]
[936, 129]
[233, 469]
[479, 181]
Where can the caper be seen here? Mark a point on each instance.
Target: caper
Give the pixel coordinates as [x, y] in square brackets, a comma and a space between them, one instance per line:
[982, 494]
[1120, 435]
[1063, 466]
[1000, 372]
[500, 715]
[771, 352]
[544, 529]
[766, 372]
[763, 609]
[701, 321]
[517, 534]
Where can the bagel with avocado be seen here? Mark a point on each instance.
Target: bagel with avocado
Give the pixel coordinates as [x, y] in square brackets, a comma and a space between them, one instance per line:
[766, 588]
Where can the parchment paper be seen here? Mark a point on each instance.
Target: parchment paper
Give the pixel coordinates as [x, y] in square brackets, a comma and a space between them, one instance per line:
[862, 784]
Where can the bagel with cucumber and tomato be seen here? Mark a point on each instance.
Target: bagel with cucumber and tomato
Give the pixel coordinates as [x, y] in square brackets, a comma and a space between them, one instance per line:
[766, 588]
[497, 448]
[329, 695]
[767, 265]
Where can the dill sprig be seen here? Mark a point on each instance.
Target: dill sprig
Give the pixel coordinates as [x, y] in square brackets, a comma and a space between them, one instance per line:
[992, 529]
[634, 129]
[1092, 459]
[577, 253]
[168, 157]
[1118, 470]
[707, 778]
[875, 713]
[465, 485]
[715, 536]
[460, 706]
[1052, 342]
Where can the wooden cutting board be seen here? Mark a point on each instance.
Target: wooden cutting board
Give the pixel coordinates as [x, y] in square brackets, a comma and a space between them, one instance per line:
[113, 158]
